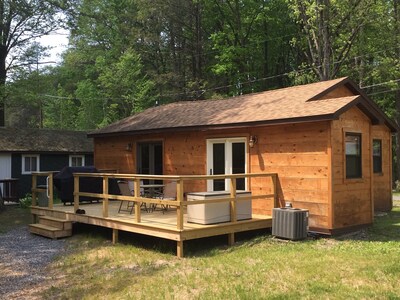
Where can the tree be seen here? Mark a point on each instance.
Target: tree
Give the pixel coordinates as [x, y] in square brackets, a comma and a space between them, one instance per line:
[21, 23]
[328, 29]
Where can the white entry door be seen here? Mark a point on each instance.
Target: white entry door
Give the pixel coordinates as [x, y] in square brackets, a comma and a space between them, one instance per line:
[226, 156]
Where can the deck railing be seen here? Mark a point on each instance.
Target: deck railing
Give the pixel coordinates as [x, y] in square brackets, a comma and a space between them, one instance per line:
[49, 190]
[180, 203]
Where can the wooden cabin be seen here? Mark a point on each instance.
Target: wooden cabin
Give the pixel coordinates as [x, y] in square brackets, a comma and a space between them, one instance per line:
[328, 142]
[27, 150]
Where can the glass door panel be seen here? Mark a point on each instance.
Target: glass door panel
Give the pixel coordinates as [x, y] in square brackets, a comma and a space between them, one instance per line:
[239, 163]
[150, 159]
[218, 166]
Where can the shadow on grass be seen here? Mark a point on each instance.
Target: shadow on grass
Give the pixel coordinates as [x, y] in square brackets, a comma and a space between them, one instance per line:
[192, 248]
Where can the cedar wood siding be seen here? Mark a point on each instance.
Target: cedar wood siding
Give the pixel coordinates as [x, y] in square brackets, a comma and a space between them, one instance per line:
[297, 152]
[352, 198]
[382, 182]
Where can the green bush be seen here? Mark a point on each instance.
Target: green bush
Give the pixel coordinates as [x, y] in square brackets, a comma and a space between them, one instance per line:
[26, 201]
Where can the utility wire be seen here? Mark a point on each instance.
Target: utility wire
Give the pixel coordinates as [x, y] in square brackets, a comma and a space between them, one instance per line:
[202, 91]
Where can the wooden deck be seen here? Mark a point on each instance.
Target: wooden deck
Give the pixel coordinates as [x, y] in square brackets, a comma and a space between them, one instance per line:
[156, 223]
[172, 224]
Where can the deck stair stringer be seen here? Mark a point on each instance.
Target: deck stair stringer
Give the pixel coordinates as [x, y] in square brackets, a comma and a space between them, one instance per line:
[51, 227]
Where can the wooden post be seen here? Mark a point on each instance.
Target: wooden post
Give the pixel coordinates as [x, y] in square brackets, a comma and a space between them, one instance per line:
[136, 189]
[34, 186]
[179, 249]
[115, 236]
[234, 201]
[275, 188]
[179, 208]
[233, 210]
[51, 190]
[105, 197]
[76, 193]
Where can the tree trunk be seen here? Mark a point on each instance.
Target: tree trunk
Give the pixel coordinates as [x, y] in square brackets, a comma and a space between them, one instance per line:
[396, 9]
[3, 75]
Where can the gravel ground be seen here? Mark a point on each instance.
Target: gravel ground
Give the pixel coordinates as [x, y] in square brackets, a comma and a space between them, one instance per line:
[23, 259]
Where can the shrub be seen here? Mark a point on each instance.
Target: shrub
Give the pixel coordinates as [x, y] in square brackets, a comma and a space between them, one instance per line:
[26, 201]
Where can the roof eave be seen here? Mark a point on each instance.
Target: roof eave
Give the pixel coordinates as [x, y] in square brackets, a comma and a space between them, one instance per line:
[316, 118]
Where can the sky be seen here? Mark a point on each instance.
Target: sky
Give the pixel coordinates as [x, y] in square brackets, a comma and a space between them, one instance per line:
[58, 41]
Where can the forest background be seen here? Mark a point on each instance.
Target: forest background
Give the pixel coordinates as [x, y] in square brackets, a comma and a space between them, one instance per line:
[127, 55]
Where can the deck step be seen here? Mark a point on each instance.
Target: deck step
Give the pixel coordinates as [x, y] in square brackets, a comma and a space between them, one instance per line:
[55, 222]
[49, 231]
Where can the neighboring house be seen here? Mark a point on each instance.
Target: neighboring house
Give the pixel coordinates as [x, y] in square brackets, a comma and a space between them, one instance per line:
[25, 150]
[328, 142]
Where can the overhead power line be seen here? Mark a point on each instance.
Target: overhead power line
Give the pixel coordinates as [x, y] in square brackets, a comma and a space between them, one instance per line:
[251, 81]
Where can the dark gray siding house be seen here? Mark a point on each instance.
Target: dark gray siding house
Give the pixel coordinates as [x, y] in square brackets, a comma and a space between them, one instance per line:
[26, 150]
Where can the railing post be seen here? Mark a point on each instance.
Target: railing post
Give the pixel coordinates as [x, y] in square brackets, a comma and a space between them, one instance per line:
[179, 208]
[233, 202]
[233, 208]
[105, 197]
[51, 190]
[76, 193]
[274, 183]
[34, 187]
[136, 190]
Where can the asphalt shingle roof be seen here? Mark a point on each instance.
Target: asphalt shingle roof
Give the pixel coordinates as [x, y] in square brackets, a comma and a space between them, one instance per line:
[287, 105]
[44, 140]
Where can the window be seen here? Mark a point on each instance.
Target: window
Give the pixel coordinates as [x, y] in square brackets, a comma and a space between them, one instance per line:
[76, 160]
[353, 155]
[377, 155]
[30, 163]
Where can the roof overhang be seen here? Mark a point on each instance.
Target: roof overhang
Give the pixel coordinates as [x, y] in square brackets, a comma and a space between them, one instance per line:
[308, 119]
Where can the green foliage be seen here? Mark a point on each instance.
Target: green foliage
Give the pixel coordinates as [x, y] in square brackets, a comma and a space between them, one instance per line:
[26, 201]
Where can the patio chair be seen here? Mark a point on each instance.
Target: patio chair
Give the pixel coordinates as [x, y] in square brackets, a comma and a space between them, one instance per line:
[168, 193]
[125, 190]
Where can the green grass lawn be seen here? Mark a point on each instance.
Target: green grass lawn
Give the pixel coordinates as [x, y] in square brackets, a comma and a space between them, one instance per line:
[360, 265]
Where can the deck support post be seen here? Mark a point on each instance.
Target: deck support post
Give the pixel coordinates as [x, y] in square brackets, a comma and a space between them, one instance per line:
[231, 239]
[179, 249]
[76, 193]
[233, 202]
[179, 208]
[274, 184]
[105, 197]
[51, 190]
[115, 236]
[34, 186]
[136, 191]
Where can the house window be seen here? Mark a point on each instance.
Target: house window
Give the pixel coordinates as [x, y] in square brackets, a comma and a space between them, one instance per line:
[76, 160]
[30, 163]
[353, 155]
[377, 155]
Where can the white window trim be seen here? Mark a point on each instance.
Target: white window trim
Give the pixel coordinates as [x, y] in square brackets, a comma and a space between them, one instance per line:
[23, 163]
[80, 156]
[228, 158]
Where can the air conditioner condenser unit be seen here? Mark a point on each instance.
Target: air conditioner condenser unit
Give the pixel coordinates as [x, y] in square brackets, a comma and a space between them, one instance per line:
[290, 223]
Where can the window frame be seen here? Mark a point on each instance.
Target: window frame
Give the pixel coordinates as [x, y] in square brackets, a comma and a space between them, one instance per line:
[76, 156]
[375, 156]
[359, 175]
[23, 165]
